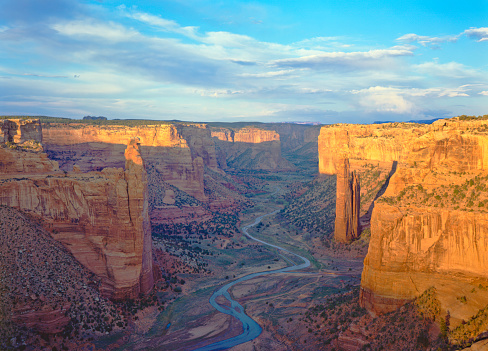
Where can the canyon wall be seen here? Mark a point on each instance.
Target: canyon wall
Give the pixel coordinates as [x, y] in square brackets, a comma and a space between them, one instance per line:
[249, 148]
[429, 228]
[101, 217]
[180, 152]
[20, 130]
[371, 152]
[296, 136]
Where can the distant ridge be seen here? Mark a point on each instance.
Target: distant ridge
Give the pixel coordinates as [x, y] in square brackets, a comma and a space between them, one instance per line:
[421, 121]
[94, 118]
[311, 123]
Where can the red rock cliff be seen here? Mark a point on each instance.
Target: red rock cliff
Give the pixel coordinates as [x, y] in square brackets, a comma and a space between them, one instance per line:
[101, 217]
[178, 151]
[430, 227]
[21, 130]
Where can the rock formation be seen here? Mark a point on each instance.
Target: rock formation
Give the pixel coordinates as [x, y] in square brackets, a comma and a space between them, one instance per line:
[250, 148]
[179, 152]
[347, 204]
[136, 176]
[101, 217]
[21, 130]
[430, 226]
[372, 152]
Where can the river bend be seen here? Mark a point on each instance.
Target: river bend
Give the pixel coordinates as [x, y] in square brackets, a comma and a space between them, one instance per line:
[251, 329]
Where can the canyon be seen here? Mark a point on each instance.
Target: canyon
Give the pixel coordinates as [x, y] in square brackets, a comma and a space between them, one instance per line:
[88, 184]
[152, 208]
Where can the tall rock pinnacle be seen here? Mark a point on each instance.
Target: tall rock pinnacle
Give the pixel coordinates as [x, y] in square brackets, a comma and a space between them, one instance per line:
[136, 177]
[347, 203]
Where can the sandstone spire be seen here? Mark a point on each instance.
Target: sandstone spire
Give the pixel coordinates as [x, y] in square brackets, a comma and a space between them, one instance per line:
[136, 177]
[347, 203]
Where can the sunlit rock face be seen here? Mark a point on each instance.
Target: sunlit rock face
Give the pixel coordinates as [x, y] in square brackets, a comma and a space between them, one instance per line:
[101, 217]
[430, 226]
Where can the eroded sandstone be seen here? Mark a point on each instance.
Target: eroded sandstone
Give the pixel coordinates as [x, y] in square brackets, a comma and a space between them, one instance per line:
[180, 152]
[430, 226]
[101, 217]
[347, 226]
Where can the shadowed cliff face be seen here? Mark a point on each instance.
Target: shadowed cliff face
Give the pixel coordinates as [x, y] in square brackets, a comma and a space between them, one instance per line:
[249, 148]
[101, 217]
[178, 152]
[21, 130]
[347, 204]
[429, 228]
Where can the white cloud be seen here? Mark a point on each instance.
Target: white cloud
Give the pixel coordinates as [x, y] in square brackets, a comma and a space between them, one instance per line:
[426, 40]
[270, 74]
[321, 43]
[481, 34]
[351, 60]
[454, 92]
[164, 24]
[90, 29]
[485, 93]
[404, 100]
[384, 99]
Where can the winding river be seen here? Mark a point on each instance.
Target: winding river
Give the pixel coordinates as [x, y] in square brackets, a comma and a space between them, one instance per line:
[251, 329]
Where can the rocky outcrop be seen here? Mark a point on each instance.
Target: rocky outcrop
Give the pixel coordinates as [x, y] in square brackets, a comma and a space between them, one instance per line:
[27, 162]
[101, 217]
[21, 130]
[180, 152]
[250, 148]
[46, 320]
[429, 228]
[136, 176]
[347, 226]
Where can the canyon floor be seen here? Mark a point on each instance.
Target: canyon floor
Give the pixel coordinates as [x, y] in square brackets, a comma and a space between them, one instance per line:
[277, 302]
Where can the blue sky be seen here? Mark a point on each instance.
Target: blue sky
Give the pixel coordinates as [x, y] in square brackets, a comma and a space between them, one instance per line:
[199, 60]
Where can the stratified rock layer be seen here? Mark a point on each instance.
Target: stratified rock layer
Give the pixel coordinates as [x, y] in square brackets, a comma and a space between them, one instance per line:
[101, 217]
[21, 130]
[250, 148]
[179, 152]
[430, 226]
